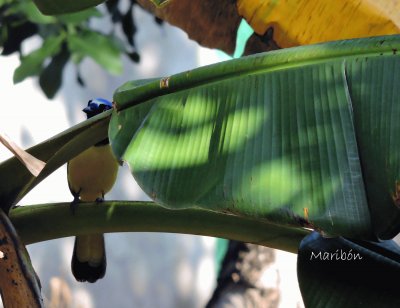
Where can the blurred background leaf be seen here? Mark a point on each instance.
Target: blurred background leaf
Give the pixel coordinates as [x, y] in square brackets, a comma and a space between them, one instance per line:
[50, 79]
[66, 37]
[102, 49]
[54, 7]
[32, 64]
[213, 24]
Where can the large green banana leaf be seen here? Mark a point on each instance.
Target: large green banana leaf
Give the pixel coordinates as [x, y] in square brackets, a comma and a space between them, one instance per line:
[307, 137]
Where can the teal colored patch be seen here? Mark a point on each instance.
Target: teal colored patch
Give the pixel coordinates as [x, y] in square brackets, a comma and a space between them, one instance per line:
[243, 34]
[220, 251]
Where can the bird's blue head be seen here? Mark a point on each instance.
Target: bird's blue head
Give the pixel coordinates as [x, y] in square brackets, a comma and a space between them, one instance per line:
[97, 106]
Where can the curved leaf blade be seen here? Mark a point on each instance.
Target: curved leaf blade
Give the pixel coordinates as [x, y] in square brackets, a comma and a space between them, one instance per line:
[270, 136]
[376, 103]
[226, 148]
[354, 273]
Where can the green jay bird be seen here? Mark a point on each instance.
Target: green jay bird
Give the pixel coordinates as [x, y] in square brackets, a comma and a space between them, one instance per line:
[91, 175]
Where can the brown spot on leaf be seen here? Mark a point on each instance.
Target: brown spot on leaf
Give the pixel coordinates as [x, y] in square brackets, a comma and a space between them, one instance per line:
[306, 213]
[164, 83]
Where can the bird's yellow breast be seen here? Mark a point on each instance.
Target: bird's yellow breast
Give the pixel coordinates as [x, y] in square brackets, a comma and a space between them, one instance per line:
[92, 173]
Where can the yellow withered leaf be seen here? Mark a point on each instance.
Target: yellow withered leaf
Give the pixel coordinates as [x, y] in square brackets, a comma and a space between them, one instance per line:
[302, 22]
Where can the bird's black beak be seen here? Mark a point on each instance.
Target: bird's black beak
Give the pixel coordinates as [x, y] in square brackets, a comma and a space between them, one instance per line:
[87, 110]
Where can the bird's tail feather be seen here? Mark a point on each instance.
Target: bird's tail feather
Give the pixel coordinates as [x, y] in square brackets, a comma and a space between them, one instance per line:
[89, 258]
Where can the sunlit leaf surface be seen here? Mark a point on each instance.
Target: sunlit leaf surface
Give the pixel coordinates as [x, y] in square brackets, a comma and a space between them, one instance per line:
[298, 136]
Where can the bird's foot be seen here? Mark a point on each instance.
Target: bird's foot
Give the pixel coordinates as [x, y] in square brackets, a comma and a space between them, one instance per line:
[74, 204]
[100, 199]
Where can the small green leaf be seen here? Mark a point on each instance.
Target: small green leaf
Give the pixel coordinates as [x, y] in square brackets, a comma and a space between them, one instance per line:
[32, 64]
[51, 78]
[101, 48]
[2, 2]
[32, 13]
[12, 36]
[56, 7]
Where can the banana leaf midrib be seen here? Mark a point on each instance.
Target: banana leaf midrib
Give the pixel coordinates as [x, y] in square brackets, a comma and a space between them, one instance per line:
[255, 64]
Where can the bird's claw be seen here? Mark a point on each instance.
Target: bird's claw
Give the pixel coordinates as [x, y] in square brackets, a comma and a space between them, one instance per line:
[74, 204]
[100, 199]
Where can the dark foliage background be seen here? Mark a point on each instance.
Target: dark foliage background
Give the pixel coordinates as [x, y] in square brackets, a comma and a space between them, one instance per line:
[68, 37]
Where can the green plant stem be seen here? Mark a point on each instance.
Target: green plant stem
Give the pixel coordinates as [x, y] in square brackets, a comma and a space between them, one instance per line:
[38, 223]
